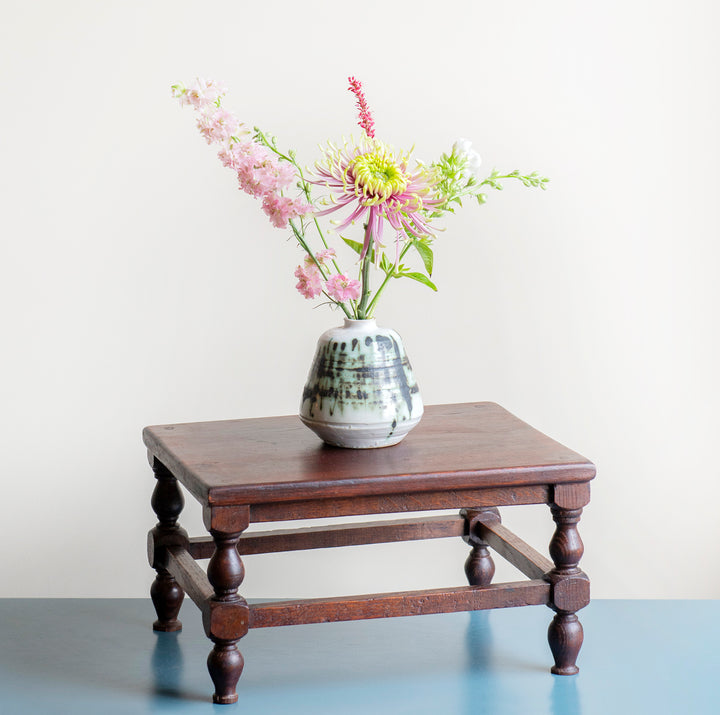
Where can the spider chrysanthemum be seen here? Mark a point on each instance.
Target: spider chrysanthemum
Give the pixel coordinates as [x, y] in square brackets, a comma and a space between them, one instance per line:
[371, 179]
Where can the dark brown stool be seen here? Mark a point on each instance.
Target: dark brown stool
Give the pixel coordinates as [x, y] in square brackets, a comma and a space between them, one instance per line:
[473, 457]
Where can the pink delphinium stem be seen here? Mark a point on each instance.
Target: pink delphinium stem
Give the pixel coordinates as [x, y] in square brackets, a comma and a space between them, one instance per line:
[366, 120]
[260, 173]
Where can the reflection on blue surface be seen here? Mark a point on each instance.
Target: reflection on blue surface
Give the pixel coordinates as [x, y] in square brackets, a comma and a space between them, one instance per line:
[101, 656]
[564, 697]
[167, 665]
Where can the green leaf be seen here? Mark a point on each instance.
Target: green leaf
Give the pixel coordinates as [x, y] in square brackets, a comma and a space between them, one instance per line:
[385, 264]
[420, 278]
[425, 253]
[357, 247]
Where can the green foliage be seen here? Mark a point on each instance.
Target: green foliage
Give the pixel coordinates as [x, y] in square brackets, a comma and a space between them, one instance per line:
[457, 183]
[355, 245]
[420, 278]
[387, 266]
[454, 183]
[422, 246]
[534, 179]
[401, 271]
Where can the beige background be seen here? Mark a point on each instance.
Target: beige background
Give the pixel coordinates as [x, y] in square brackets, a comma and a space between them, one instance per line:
[140, 287]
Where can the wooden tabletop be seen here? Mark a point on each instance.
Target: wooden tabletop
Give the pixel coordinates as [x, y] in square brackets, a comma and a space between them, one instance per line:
[272, 459]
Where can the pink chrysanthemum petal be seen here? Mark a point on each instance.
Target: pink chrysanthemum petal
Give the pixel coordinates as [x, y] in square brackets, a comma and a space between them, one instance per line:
[371, 176]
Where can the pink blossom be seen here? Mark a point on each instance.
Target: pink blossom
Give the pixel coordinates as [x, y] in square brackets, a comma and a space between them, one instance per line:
[218, 125]
[274, 174]
[321, 257]
[325, 255]
[310, 281]
[285, 174]
[341, 288]
[201, 93]
[259, 171]
[281, 209]
[233, 154]
[374, 181]
[254, 182]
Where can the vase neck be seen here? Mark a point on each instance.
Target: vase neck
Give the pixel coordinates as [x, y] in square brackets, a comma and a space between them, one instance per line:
[367, 323]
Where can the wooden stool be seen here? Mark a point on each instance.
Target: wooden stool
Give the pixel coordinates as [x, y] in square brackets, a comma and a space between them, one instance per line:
[472, 457]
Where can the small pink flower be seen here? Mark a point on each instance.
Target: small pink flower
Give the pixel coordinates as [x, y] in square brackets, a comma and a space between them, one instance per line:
[201, 93]
[218, 125]
[273, 175]
[252, 171]
[231, 154]
[310, 281]
[285, 174]
[341, 288]
[321, 257]
[259, 171]
[281, 209]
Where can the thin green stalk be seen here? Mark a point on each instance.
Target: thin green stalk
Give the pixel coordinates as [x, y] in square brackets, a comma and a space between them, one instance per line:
[301, 240]
[305, 187]
[365, 274]
[388, 276]
[365, 282]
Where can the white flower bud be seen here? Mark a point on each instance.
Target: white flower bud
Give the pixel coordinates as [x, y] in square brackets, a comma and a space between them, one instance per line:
[474, 163]
[462, 147]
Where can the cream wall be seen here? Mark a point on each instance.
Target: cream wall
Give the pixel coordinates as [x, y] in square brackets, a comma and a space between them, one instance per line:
[140, 287]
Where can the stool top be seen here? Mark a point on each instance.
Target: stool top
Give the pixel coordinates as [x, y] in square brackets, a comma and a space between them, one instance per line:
[269, 459]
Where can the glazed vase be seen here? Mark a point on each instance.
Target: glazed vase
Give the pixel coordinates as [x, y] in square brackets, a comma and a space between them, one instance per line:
[360, 392]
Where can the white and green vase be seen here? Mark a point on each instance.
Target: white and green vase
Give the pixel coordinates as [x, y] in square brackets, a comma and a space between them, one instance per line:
[361, 392]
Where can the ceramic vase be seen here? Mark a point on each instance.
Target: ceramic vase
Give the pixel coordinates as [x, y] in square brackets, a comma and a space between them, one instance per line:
[360, 392]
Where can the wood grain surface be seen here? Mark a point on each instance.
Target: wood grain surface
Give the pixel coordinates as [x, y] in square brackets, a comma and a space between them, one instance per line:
[274, 459]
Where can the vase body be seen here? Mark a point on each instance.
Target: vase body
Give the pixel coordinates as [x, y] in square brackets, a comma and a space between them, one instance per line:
[360, 392]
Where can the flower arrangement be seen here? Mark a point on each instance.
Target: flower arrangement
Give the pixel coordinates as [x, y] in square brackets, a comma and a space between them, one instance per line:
[363, 180]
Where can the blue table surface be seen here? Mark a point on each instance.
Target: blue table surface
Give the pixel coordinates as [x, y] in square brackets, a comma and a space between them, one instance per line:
[80, 656]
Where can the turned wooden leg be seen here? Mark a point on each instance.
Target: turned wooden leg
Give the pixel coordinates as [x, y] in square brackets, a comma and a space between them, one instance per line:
[225, 665]
[167, 502]
[565, 636]
[479, 566]
[167, 597]
[571, 590]
[227, 617]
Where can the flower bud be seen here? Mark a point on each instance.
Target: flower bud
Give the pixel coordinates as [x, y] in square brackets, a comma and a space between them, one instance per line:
[462, 147]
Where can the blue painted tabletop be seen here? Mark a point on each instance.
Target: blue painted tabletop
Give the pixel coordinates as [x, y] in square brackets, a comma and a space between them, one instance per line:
[80, 656]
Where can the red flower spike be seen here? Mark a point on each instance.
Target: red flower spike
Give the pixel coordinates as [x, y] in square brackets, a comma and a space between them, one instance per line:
[366, 120]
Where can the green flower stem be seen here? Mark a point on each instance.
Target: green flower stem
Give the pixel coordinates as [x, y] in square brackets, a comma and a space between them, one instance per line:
[388, 276]
[304, 185]
[300, 233]
[345, 309]
[361, 311]
[301, 240]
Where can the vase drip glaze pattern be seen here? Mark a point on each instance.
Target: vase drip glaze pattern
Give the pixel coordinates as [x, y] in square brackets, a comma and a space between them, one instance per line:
[361, 392]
